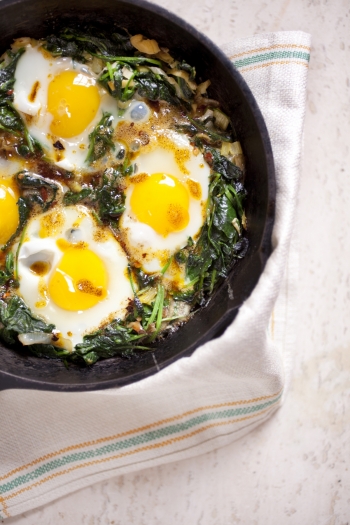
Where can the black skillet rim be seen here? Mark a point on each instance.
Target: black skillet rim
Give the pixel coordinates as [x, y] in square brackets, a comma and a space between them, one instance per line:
[10, 380]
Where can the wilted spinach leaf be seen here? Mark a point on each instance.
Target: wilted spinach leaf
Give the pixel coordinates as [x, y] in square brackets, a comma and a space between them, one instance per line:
[114, 339]
[16, 318]
[110, 200]
[186, 67]
[224, 215]
[101, 138]
[23, 211]
[71, 197]
[6, 274]
[222, 165]
[218, 245]
[7, 76]
[10, 120]
[155, 87]
[106, 198]
[74, 43]
[36, 189]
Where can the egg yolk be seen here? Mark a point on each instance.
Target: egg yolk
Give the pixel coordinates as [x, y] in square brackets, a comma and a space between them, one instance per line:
[8, 210]
[162, 202]
[73, 100]
[79, 281]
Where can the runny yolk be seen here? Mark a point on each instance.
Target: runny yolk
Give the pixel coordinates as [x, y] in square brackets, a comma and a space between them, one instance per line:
[73, 100]
[79, 281]
[162, 202]
[8, 210]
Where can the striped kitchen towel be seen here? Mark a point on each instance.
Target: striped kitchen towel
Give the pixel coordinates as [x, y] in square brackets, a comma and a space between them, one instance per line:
[54, 443]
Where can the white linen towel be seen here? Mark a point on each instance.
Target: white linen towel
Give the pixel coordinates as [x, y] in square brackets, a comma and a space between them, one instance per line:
[54, 443]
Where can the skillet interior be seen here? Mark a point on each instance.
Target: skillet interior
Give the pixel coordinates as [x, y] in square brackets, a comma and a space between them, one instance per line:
[37, 18]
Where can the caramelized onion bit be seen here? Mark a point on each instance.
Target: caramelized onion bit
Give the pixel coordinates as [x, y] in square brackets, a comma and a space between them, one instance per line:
[145, 45]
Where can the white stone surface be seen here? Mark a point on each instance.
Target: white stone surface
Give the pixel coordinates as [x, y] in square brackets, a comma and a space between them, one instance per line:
[294, 469]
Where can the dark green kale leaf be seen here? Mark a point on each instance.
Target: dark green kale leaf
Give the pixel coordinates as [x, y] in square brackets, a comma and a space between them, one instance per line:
[101, 138]
[16, 318]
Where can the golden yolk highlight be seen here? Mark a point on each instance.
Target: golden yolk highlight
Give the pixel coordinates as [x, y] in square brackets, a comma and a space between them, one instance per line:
[79, 281]
[73, 101]
[8, 210]
[162, 202]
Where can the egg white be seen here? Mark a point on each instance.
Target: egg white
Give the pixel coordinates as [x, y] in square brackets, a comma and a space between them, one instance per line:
[9, 167]
[143, 243]
[35, 66]
[35, 248]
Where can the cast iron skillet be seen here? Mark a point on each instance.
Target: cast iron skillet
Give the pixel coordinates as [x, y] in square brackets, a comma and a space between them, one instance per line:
[37, 18]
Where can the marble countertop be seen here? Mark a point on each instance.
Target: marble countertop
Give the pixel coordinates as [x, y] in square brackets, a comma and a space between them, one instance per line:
[295, 468]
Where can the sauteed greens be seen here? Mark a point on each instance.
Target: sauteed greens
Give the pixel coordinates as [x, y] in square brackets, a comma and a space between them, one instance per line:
[131, 69]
